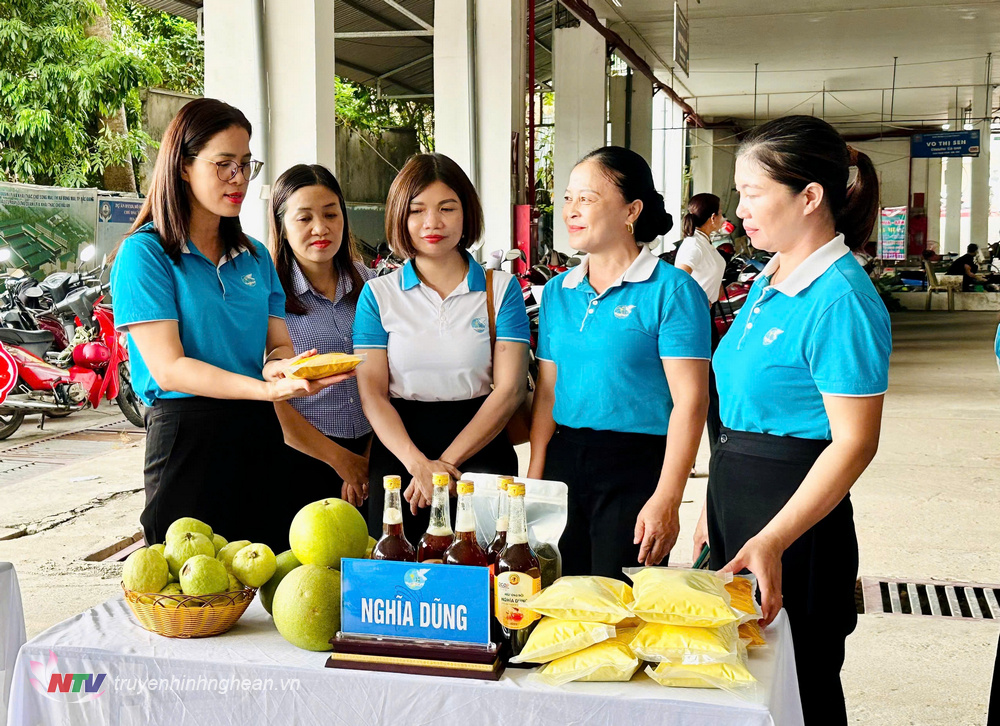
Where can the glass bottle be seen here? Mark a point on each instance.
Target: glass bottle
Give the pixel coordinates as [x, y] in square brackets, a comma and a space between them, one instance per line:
[465, 550]
[393, 544]
[518, 576]
[500, 538]
[439, 533]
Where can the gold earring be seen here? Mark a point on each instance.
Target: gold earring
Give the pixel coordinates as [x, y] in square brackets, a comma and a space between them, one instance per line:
[630, 227]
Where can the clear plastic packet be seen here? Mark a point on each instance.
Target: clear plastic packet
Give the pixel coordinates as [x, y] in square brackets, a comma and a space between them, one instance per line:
[681, 644]
[583, 597]
[609, 661]
[323, 365]
[553, 638]
[695, 598]
[743, 597]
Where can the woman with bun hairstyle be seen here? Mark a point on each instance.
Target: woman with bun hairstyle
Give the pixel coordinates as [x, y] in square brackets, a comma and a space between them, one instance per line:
[205, 316]
[802, 375]
[696, 255]
[623, 349]
[322, 275]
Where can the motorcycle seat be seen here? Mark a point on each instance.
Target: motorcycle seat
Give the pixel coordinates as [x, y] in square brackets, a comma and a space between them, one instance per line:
[22, 337]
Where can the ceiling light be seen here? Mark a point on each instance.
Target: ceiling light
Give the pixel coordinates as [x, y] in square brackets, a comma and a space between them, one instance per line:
[968, 126]
[945, 126]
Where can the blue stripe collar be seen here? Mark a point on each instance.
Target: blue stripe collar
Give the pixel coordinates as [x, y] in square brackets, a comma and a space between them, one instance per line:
[476, 279]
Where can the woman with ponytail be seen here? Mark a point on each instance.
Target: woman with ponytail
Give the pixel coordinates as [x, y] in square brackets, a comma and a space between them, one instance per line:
[696, 255]
[802, 375]
[623, 349]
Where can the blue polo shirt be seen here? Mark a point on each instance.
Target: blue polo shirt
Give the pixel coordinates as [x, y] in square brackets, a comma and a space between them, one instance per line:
[609, 348]
[222, 311]
[822, 330]
[439, 350]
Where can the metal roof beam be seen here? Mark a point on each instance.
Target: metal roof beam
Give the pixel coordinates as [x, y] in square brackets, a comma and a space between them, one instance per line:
[411, 15]
[378, 17]
[374, 74]
[382, 34]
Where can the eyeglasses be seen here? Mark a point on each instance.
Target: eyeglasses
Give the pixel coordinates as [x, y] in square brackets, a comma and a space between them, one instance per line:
[227, 169]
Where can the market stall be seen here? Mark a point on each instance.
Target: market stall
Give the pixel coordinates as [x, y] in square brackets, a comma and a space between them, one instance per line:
[251, 675]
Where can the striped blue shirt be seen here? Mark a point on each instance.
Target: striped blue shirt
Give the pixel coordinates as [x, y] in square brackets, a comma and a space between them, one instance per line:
[327, 326]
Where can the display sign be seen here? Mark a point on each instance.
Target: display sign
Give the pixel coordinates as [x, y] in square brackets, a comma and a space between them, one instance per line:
[114, 219]
[446, 603]
[44, 227]
[892, 233]
[682, 35]
[944, 143]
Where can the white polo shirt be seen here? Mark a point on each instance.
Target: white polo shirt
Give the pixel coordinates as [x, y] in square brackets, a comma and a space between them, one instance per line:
[707, 265]
[438, 350]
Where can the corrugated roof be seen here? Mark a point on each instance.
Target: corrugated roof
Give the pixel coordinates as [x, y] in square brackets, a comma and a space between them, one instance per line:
[184, 8]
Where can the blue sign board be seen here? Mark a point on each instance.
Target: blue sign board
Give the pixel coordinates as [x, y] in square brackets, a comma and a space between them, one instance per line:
[944, 143]
[448, 603]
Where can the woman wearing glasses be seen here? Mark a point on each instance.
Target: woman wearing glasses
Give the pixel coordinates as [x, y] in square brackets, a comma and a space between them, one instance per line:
[204, 312]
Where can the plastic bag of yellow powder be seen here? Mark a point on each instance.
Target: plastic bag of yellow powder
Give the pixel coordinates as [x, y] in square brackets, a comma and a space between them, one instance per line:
[743, 597]
[735, 677]
[608, 661]
[690, 646]
[752, 634]
[695, 598]
[588, 598]
[323, 365]
[553, 638]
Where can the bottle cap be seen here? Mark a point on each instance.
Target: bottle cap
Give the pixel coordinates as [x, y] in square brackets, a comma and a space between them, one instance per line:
[466, 487]
[503, 482]
[515, 490]
[392, 482]
[441, 478]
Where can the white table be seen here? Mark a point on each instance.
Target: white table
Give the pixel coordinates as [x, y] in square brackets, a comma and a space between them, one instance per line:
[285, 685]
[12, 633]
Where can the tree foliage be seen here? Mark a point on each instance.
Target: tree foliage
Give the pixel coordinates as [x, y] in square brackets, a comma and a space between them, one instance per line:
[56, 83]
[361, 109]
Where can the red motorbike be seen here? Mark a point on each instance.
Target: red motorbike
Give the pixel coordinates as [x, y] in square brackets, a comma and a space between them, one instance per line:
[94, 366]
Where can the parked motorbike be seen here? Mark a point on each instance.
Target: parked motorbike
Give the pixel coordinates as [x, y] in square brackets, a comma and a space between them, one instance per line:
[93, 365]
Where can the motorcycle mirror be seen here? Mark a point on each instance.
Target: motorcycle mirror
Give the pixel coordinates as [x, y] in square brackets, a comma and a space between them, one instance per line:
[17, 272]
[514, 255]
[87, 253]
[573, 262]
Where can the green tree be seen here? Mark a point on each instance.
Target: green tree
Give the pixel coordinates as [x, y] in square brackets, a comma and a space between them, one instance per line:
[57, 84]
[360, 109]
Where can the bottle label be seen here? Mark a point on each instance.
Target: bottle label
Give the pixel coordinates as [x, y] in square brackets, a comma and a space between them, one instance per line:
[512, 589]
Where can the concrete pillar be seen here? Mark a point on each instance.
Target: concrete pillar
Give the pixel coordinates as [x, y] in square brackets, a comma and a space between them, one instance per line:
[953, 193]
[280, 75]
[498, 107]
[635, 132]
[702, 161]
[579, 80]
[979, 207]
[934, 201]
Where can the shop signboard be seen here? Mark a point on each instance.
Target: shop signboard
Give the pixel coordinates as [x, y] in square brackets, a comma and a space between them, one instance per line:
[892, 233]
[682, 37]
[944, 143]
[446, 603]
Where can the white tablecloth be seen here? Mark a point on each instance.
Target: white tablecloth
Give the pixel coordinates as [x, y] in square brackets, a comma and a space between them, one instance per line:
[204, 684]
[12, 634]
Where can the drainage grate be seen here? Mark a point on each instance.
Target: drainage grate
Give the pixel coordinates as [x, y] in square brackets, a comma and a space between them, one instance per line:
[959, 600]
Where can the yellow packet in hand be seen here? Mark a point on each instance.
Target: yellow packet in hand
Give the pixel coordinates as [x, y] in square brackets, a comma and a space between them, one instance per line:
[695, 598]
[323, 365]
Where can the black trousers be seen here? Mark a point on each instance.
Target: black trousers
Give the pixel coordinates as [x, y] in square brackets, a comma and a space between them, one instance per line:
[321, 478]
[611, 475]
[223, 462]
[751, 477]
[431, 426]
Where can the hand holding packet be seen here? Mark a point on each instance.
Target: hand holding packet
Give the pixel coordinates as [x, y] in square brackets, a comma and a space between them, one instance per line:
[323, 365]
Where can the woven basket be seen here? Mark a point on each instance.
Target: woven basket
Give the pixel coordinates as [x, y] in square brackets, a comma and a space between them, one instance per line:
[188, 616]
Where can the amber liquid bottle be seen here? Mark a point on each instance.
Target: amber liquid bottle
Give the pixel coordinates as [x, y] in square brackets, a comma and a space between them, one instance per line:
[465, 550]
[518, 576]
[439, 533]
[500, 539]
[393, 545]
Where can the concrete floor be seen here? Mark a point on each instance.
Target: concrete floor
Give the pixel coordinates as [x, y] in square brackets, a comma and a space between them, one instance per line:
[925, 509]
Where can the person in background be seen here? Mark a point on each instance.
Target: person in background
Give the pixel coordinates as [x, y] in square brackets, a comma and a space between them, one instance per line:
[322, 275]
[697, 257]
[205, 316]
[802, 375]
[437, 395]
[967, 267]
[623, 350]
